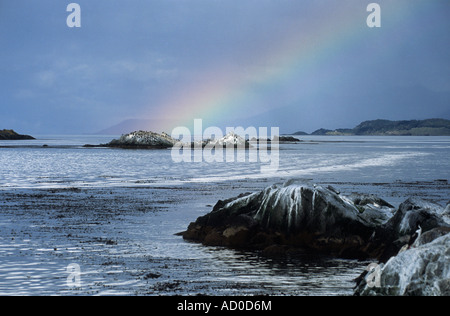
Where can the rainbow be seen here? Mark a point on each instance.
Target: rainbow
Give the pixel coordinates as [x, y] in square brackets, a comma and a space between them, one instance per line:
[223, 90]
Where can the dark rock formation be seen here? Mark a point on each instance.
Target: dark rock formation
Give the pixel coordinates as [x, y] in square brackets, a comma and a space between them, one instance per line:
[313, 218]
[141, 140]
[9, 134]
[412, 214]
[293, 216]
[288, 139]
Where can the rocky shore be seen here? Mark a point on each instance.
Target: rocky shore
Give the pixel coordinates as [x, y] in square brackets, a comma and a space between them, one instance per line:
[298, 217]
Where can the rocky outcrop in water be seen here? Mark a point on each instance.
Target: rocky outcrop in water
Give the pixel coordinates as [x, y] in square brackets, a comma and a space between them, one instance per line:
[289, 218]
[143, 140]
[296, 217]
[9, 134]
[151, 140]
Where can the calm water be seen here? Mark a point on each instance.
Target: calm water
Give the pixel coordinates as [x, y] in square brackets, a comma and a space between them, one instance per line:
[115, 212]
[371, 159]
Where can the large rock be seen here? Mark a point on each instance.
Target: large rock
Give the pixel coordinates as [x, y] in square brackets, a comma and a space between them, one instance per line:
[421, 271]
[296, 216]
[447, 213]
[412, 214]
[292, 216]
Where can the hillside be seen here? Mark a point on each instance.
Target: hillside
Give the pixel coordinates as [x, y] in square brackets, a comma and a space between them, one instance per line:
[9, 134]
[430, 127]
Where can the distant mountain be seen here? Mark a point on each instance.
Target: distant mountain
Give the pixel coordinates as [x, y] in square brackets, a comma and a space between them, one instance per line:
[430, 127]
[126, 126]
[9, 134]
[300, 133]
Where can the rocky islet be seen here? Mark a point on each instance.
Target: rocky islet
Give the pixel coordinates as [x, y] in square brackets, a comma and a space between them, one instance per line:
[9, 134]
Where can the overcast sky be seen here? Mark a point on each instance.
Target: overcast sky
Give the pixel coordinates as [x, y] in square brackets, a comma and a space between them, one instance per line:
[298, 65]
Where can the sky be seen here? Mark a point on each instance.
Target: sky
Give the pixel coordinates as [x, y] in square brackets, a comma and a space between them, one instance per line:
[159, 64]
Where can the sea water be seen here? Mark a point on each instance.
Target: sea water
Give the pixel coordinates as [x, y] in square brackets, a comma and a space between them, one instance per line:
[114, 213]
[65, 162]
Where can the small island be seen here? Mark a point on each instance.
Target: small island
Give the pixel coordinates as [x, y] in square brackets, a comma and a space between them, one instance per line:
[152, 140]
[140, 140]
[144, 140]
[9, 134]
[430, 127]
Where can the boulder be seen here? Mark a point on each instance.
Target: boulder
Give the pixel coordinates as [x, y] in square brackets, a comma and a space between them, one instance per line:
[299, 216]
[431, 235]
[412, 215]
[292, 216]
[414, 212]
[373, 208]
[420, 271]
[446, 213]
